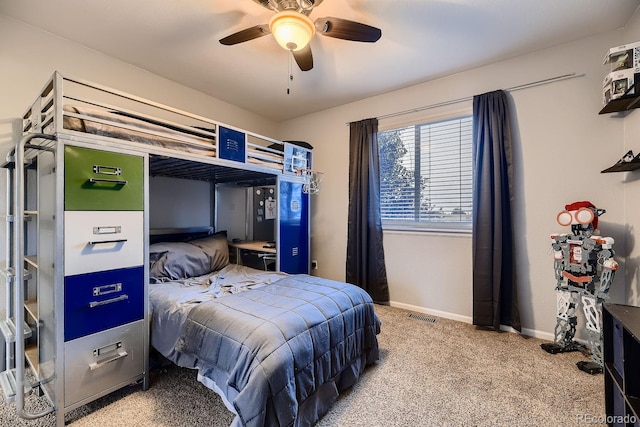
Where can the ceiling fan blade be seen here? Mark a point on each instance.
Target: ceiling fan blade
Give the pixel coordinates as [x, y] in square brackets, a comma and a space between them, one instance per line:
[246, 35]
[347, 30]
[304, 58]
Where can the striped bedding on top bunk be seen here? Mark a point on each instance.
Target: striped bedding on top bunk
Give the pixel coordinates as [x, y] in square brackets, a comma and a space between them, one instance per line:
[125, 126]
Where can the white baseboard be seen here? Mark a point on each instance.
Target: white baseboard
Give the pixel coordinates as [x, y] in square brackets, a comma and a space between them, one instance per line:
[530, 333]
[467, 319]
[443, 314]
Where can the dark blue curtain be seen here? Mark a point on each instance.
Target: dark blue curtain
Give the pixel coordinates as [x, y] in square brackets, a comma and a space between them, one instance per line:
[495, 291]
[365, 252]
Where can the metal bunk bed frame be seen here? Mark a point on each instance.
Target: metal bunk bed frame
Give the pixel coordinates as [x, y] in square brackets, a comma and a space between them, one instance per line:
[244, 157]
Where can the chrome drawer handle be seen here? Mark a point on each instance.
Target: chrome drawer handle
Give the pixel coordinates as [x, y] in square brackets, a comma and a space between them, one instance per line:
[111, 181]
[107, 170]
[94, 304]
[96, 365]
[98, 242]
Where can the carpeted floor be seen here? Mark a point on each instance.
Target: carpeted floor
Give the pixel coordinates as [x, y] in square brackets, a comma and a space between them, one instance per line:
[441, 373]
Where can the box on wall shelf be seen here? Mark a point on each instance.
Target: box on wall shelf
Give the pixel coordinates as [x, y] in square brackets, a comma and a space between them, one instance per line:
[626, 56]
[617, 84]
[624, 64]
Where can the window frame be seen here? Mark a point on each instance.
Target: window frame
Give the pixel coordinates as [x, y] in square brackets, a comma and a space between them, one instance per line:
[425, 117]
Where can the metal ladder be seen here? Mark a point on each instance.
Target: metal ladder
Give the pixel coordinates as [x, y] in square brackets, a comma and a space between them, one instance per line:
[14, 328]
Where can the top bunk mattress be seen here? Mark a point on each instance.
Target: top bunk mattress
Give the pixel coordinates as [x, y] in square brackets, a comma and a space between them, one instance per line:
[70, 107]
[123, 126]
[130, 127]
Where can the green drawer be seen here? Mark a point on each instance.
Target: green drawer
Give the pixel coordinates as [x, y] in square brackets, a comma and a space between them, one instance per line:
[101, 180]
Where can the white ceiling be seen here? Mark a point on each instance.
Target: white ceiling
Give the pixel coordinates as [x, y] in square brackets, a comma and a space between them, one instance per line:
[421, 40]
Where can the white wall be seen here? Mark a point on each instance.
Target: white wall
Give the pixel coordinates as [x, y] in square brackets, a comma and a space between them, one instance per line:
[179, 203]
[232, 212]
[562, 144]
[29, 57]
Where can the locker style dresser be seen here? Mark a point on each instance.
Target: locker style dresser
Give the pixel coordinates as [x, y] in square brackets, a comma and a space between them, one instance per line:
[85, 321]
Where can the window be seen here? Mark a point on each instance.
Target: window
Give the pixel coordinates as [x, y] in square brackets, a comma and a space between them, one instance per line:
[426, 175]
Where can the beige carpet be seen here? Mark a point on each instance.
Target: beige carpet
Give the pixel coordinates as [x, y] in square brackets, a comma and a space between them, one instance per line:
[444, 373]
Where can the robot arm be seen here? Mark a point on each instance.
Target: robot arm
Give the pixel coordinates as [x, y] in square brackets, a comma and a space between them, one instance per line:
[609, 267]
[558, 257]
[558, 266]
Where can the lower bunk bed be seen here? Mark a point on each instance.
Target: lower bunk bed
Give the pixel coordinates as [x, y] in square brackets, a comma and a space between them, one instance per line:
[277, 348]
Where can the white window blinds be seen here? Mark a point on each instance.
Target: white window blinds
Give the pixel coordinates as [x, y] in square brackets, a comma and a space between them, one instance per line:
[426, 175]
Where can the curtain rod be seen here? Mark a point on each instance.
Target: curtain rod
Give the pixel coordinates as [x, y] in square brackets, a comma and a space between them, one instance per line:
[469, 98]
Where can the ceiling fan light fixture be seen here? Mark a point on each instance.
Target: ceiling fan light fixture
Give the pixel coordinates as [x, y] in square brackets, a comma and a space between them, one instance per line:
[292, 30]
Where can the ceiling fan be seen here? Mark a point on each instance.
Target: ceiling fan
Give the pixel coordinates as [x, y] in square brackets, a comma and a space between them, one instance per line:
[293, 29]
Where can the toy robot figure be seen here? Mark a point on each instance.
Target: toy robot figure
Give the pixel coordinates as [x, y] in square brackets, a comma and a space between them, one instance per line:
[584, 269]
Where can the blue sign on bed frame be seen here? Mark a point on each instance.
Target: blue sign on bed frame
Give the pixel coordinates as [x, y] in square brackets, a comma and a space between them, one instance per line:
[231, 144]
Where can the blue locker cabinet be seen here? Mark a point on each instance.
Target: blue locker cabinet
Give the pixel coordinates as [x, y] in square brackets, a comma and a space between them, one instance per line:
[293, 251]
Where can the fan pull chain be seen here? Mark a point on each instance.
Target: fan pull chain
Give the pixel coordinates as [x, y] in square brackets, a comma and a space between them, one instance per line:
[289, 76]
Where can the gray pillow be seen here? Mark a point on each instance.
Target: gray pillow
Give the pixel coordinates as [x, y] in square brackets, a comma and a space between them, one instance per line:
[177, 260]
[216, 247]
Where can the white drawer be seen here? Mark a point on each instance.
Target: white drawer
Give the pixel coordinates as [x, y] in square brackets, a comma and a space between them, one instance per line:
[102, 361]
[102, 240]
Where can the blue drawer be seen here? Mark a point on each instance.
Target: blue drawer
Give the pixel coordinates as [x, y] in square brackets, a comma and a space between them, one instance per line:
[102, 300]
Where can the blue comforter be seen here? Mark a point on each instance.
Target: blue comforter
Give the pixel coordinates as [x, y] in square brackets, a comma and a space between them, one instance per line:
[282, 352]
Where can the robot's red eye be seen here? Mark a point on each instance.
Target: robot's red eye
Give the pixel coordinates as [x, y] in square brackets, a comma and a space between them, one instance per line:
[585, 216]
[564, 218]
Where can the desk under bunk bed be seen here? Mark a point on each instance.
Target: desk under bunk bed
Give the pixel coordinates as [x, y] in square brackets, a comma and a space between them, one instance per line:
[76, 273]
